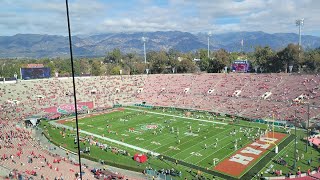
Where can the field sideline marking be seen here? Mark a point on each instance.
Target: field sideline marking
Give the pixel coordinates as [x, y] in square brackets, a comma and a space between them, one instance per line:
[177, 116]
[109, 139]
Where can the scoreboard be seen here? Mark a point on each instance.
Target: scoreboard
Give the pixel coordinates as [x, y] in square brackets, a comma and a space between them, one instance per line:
[241, 66]
[35, 73]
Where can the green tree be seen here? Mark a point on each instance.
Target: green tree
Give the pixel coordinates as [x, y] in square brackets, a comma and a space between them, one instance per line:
[116, 70]
[311, 61]
[186, 66]
[63, 66]
[52, 67]
[84, 66]
[290, 56]
[263, 56]
[139, 68]
[95, 68]
[159, 61]
[114, 56]
[204, 64]
[173, 54]
[223, 57]
[202, 53]
[233, 56]
[215, 66]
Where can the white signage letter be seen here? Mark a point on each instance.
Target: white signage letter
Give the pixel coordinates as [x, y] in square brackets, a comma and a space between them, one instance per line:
[241, 159]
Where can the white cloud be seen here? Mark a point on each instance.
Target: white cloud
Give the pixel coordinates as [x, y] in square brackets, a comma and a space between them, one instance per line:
[98, 16]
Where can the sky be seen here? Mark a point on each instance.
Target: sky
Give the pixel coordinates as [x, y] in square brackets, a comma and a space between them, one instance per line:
[104, 16]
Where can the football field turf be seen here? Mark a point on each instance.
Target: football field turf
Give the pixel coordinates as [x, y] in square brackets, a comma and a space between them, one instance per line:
[196, 140]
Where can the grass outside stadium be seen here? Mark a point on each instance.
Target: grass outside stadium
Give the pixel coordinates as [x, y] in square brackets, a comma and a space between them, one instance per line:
[191, 142]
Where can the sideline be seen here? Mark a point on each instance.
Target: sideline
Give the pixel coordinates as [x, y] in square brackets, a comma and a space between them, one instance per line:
[176, 116]
[108, 139]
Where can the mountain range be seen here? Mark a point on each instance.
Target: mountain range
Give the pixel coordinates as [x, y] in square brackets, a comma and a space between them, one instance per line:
[39, 45]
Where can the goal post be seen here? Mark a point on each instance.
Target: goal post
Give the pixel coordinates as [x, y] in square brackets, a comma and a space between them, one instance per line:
[276, 150]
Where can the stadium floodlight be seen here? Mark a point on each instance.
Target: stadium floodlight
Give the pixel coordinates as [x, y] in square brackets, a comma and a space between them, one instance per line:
[300, 23]
[209, 34]
[308, 116]
[2, 69]
[295, 140]
[144, 39]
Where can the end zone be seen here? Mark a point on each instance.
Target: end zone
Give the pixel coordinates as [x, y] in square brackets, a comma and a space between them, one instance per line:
[236, 164]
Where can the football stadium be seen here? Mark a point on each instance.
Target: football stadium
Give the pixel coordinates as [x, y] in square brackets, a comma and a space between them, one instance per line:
[159, 90]
[169, 126]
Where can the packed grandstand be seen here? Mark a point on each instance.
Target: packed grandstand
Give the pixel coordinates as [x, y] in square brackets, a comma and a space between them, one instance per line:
[251, 96]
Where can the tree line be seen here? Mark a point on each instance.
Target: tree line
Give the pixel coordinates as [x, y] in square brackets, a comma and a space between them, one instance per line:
[115, 62]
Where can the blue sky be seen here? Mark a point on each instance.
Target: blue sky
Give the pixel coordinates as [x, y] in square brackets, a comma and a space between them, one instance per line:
[104, 16]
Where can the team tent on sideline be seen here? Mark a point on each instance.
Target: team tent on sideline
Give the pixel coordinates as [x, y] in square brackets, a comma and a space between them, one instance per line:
[141, 158]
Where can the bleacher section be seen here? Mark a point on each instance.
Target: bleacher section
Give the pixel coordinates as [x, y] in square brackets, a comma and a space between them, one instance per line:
[249, 95]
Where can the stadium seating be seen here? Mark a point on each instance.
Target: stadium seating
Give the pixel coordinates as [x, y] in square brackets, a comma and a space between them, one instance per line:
[233, 94]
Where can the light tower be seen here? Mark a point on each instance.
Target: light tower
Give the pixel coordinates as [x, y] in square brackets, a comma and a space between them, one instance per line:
[2, 69]
[144, 39]
[209, 34]
[299, 23]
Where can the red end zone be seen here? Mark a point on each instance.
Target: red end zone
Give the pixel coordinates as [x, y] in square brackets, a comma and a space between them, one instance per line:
[245, 157]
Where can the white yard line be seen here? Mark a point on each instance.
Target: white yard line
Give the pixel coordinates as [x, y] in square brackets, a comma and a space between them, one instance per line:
[162, 140]
[218, 150]
[167, 145]
[224, 156]
[132, 146]
[177, 116]
[108, 139]
[214, 151]
[197, 143]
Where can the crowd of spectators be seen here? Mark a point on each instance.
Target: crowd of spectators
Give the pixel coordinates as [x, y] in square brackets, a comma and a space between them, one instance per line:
[255, 96]
[248, 95]
[23, 155]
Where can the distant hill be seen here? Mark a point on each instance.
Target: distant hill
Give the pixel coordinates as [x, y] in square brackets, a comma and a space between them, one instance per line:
[37, 45]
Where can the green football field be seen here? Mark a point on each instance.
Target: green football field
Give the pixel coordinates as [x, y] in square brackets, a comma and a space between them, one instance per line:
[197, 139]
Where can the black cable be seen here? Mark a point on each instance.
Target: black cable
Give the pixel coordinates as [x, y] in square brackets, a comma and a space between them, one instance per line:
[74, 88]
